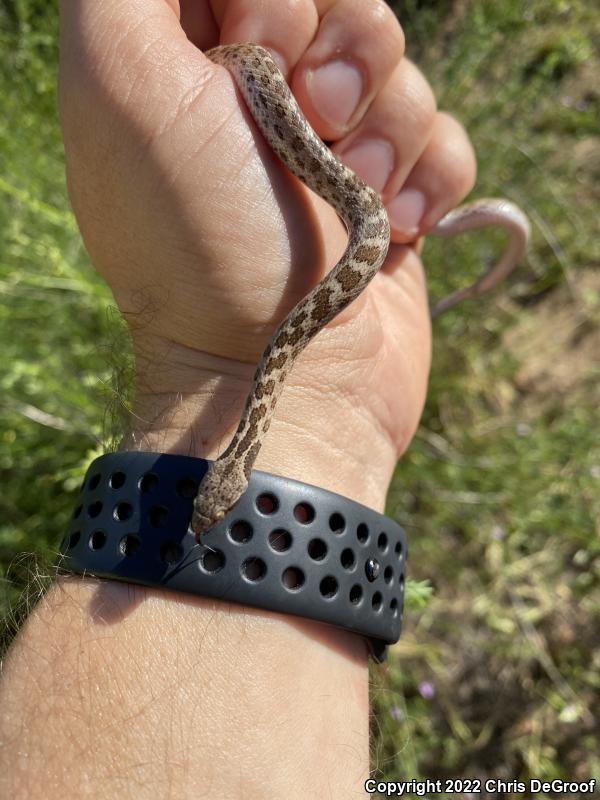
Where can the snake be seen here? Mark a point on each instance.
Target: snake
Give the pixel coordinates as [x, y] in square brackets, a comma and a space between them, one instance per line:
[288, 133]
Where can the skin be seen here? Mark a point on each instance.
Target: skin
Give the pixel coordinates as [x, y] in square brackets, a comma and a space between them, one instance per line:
[206, 243]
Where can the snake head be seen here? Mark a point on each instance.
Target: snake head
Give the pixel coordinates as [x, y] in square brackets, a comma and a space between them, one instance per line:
[220, 489]
[201, 522]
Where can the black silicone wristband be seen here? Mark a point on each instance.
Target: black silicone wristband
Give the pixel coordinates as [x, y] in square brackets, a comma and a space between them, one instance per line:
[285, 546]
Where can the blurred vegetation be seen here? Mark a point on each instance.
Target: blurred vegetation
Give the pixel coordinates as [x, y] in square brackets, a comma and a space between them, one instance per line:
[497, 674]
[59, 330]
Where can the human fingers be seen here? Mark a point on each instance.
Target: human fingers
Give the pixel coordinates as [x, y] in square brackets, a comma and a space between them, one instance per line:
[269, 23]
[420, 160]
[356, 49]
[443, 176]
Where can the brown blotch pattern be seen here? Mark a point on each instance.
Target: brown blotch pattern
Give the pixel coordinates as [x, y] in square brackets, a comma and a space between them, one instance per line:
[348, 278]
[295, 337]
[250, 458]
[276, 363]
[257, 414]
[246, 442]
[322, 303]
[368, 253]
[265, 389]
[282, 339]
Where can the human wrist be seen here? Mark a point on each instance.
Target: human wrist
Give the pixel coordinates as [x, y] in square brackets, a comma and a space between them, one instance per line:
[317, 436]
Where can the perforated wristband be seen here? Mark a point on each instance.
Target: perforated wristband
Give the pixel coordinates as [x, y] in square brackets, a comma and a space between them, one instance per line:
[286, 546]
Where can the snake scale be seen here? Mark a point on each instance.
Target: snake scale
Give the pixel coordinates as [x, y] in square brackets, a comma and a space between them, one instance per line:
[288, 133]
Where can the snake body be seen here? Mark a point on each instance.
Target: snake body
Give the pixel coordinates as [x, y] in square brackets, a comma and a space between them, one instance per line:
[285, 128]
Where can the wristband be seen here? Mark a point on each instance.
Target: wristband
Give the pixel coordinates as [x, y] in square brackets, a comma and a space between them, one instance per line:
[285, 546]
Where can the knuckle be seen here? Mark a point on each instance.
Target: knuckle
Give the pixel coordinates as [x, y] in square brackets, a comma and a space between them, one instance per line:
[383, 22]
[455, 153]
[421, 99]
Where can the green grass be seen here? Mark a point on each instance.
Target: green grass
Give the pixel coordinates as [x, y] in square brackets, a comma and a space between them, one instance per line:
[500, 489]
[57, 323]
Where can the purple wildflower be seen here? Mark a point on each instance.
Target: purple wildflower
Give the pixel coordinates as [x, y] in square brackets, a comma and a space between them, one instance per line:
[427, 690]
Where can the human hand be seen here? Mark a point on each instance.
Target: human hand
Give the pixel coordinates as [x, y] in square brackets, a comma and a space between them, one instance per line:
[207, 241]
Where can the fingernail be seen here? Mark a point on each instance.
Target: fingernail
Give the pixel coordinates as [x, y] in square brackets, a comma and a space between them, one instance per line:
[406, 211]
[335, 90]
[373, 160]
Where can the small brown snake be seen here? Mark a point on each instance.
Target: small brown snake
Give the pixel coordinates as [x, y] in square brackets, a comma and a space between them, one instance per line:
[285, 128]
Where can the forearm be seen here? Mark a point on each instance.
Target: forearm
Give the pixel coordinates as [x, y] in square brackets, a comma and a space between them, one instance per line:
[122, 689]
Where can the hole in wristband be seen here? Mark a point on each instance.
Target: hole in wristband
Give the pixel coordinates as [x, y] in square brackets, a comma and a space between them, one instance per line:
[212, 561]
[398, 550]
[241, 531]
[116, 480]
[73, 540]
[129, 545]
[304, 513]
[401, 585]
[337, 523]
[123, 511]
[171, 552]
[94, 509]
[94, 481]
[317, 549]
[372, 569]
[97, 540]
[186, 487]
[382, 542]
[77, 512]
[267, 503]
[388, 575]
[356, 594]
[362, 533]
[148, 482]
[158, 516]
[394, 607]
[293, 578]
[280, 540]
[377, 601]
[254, 569]
[348, 559]
[328, 586]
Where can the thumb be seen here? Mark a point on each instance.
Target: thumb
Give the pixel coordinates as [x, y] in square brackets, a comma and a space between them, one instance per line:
[132, 57]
